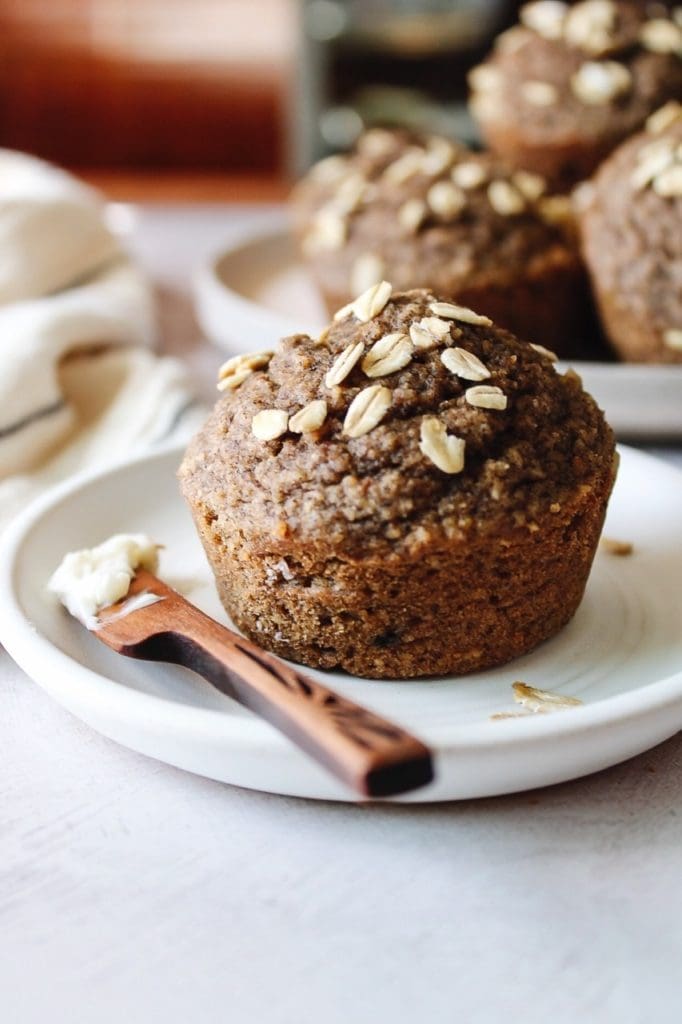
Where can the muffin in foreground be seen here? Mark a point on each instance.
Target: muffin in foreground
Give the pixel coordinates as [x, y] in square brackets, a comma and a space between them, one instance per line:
[631, 226]
[425, 212]
[415, 493]
[564, 87]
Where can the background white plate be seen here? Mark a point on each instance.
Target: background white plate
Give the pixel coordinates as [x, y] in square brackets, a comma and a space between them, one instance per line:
[622, 654]
[254, 292]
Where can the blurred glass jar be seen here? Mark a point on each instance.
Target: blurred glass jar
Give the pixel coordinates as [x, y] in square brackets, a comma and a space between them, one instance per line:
[365, 62]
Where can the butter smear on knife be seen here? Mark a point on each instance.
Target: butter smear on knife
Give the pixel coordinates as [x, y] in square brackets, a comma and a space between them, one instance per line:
[89, 580]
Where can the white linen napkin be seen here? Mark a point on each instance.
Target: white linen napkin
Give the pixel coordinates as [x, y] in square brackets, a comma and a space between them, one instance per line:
[79, 386]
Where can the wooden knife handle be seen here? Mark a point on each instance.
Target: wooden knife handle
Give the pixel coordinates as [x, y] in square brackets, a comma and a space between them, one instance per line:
[369, 753]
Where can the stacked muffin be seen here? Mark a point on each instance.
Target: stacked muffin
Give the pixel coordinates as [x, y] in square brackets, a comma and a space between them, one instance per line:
[631, 227]
[569, 83]
[426, 212]
[416, 492]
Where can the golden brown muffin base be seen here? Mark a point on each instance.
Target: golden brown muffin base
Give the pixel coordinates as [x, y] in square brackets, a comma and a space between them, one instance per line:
[629, 330]
[566, 324]
[453, 610]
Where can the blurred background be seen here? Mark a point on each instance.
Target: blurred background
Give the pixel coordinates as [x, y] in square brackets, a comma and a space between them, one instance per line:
[189, 91]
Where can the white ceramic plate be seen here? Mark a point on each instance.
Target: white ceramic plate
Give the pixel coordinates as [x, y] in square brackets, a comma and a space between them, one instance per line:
[255, 292]
[622, 653]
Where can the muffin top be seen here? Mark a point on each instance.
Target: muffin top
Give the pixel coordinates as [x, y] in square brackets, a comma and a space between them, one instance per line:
[430, 213]
[409, 423]
[591, 71]
[631, 225]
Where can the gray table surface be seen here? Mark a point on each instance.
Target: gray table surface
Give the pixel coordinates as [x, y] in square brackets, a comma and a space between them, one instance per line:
[134, 892]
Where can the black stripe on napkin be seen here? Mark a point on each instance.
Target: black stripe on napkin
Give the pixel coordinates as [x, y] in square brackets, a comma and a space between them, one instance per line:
[185, 406]
[39, 414]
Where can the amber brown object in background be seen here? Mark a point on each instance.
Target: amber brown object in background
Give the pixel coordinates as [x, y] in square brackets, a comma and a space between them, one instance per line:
[165, 186]
[150, 84]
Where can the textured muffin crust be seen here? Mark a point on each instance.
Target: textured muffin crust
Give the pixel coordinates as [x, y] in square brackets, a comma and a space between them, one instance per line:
[427, 212]
[564, 87]
[631, 226]
[426, 504]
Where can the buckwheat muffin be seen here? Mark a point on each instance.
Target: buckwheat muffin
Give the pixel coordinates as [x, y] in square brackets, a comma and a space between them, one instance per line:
[569, 83]
[426, 212]
[631, 226]
[416, 492]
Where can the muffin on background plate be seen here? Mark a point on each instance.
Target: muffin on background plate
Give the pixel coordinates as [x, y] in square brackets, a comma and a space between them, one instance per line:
[415, 493]
[563, 88]
[631, 226]
[425, 212]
